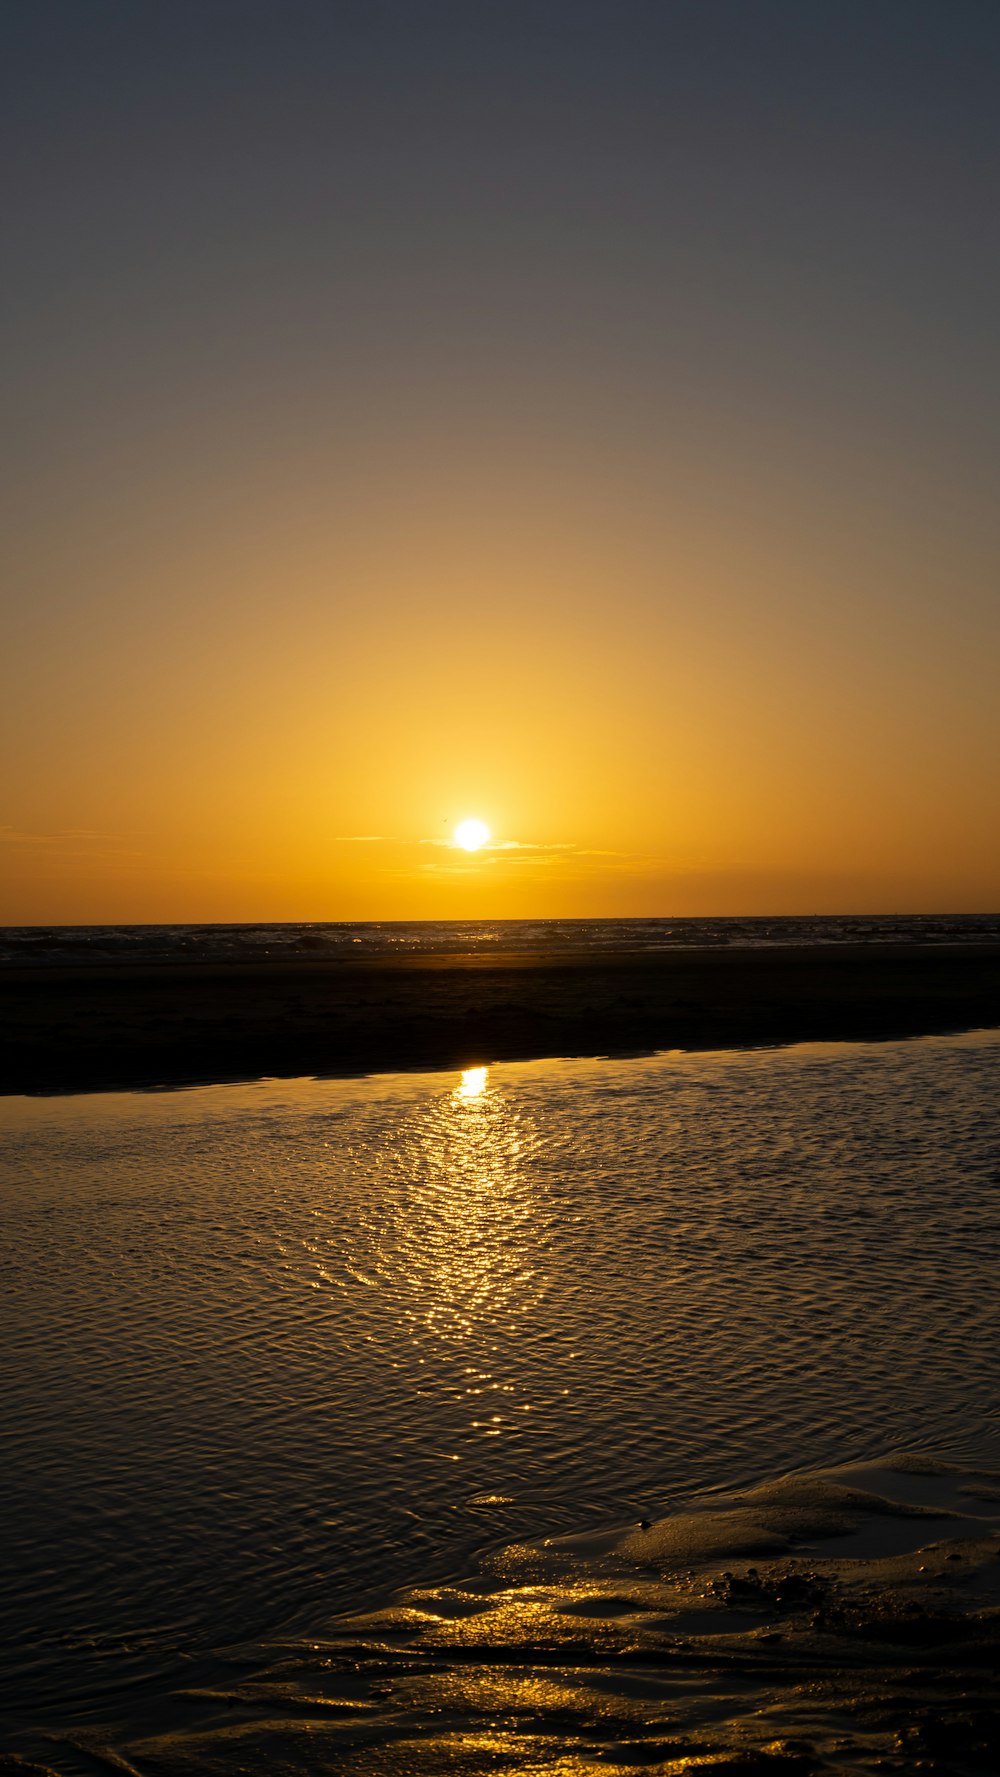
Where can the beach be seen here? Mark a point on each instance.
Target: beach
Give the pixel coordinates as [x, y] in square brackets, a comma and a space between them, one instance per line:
[88, 1026]
[634, 1414]
[828, 1623]
[499, 909]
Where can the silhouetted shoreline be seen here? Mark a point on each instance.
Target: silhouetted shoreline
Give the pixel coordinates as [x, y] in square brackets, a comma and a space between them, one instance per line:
[106, 1027]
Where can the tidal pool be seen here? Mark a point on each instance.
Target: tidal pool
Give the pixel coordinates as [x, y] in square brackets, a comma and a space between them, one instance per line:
[275, 1351]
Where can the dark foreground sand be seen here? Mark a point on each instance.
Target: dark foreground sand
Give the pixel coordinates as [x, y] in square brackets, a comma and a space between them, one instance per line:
[843, 1623]
[86, 1028]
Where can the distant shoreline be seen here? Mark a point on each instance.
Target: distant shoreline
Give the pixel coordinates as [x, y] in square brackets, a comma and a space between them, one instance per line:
[121, 1025]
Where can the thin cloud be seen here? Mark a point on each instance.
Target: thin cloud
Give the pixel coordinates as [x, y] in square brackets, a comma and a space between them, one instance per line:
[528, 845]
[61, 836]
[531, 847]
[457, 861]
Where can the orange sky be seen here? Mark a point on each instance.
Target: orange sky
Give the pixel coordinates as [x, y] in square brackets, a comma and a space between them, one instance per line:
[664, 544]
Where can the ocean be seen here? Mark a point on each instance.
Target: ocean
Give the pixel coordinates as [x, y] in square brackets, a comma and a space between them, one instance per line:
[275, 1352]
[40, 945]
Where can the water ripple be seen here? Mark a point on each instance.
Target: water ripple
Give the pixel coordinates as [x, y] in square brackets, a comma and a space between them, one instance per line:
[275, 1349]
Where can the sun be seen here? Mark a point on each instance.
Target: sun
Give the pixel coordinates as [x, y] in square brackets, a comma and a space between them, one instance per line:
[471, 835]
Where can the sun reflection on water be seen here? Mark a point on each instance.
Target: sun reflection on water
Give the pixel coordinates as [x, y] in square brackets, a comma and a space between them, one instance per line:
[473, 1082]
[459, 1248]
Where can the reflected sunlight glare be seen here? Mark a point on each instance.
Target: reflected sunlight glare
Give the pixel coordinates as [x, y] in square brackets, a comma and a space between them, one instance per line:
[473, 1082]
[459, 1249]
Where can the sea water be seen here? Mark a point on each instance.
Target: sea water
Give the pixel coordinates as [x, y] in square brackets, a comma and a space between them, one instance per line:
[274, 1351]
[49, 946]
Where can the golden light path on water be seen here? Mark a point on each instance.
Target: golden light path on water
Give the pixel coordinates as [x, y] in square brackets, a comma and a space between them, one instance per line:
[457, 1252]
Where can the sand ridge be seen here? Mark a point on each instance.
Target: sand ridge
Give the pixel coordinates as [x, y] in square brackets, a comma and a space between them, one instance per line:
[88, 1028]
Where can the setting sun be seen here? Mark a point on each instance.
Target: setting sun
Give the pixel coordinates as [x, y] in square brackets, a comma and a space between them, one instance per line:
[471, 835]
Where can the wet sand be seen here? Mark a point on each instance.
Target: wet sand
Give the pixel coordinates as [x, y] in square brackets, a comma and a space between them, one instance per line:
[842, 1621]
[91, 1027]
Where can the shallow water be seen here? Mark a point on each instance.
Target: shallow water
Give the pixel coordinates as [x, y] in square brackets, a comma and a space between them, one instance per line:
[274, 1350]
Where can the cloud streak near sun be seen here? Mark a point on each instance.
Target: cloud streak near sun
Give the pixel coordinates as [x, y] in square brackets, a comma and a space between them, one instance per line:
[453, 857]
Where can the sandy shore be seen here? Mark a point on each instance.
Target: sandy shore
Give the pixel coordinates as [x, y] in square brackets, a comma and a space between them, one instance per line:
[821, 1625]
[87, 1028]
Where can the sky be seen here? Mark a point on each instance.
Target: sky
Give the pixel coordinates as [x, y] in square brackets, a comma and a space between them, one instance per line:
[576, 415]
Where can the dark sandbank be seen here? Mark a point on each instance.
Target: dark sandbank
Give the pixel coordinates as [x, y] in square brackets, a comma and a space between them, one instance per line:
[107, 1025]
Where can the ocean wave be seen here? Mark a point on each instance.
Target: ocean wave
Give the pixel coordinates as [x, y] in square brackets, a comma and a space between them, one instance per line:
[47, 946]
